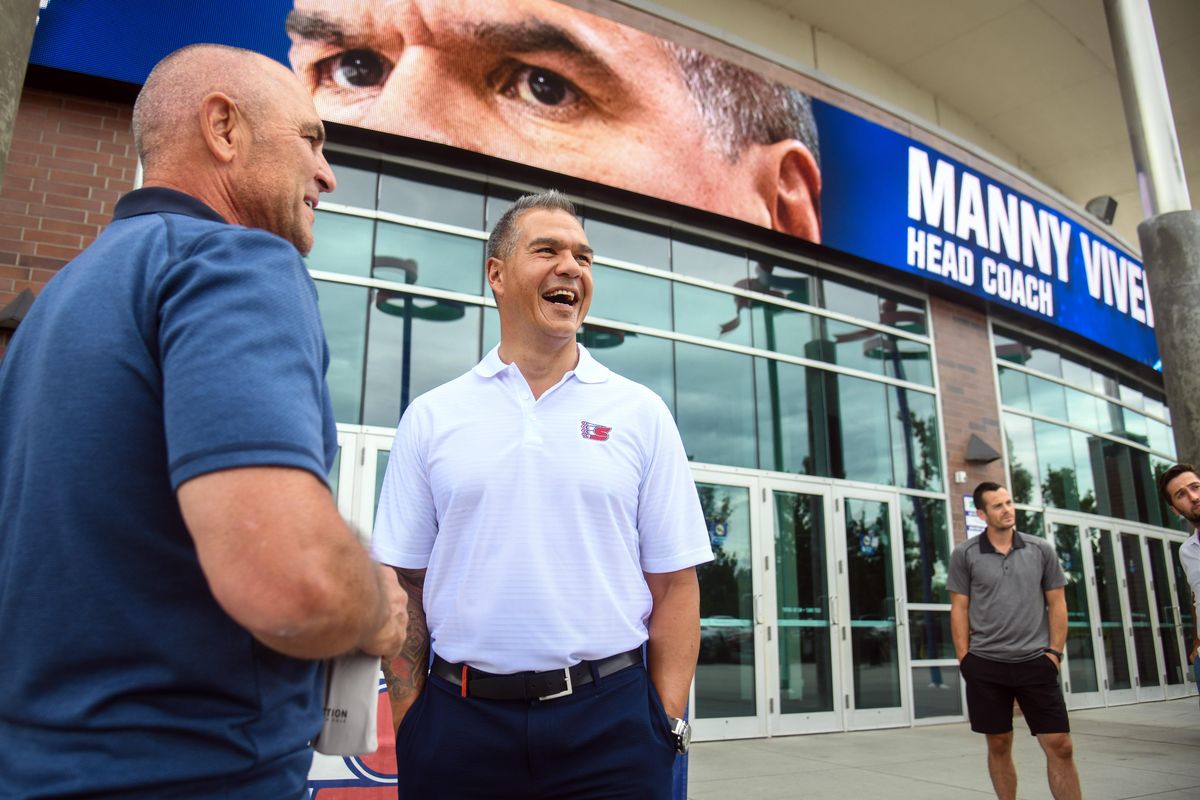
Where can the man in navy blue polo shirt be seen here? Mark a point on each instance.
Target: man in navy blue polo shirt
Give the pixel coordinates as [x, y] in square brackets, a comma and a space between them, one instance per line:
[171, 559]
[1008, 618]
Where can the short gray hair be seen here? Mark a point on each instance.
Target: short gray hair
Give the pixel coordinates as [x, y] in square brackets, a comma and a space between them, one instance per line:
[503, 237]
[740, 107]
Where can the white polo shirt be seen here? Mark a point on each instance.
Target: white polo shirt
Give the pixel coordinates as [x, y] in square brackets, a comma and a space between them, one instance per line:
[1189, 557]
[536, 519]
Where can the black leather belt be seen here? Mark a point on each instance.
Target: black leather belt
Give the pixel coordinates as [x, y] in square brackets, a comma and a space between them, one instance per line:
[531, 685]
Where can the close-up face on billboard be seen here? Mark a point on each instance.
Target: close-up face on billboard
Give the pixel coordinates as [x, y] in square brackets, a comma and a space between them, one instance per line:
[547, 85]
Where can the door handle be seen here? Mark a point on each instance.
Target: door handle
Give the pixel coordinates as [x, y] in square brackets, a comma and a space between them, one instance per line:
[758, 615]
[833, 610]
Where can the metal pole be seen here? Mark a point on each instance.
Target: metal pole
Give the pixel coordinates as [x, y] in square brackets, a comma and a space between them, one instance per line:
[1161, 180]
[1170, 236]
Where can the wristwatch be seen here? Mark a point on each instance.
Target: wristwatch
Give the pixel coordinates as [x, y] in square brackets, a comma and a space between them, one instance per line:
[1056, 653]
[681, 732]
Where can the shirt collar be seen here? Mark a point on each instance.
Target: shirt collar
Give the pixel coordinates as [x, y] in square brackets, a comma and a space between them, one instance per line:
[985, 544]
[157, 200]
[588, 370]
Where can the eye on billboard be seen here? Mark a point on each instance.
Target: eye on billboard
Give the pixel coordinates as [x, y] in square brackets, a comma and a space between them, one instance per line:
[548, 85]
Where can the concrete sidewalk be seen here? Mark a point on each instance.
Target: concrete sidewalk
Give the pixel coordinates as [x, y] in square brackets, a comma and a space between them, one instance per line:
[1150, 750]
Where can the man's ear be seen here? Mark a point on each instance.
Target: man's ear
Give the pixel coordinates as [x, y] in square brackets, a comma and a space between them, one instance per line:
[792, 189]
[495, 276]
[221, 126]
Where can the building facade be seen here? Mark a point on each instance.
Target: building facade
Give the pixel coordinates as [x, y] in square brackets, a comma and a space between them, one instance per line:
[839, 398]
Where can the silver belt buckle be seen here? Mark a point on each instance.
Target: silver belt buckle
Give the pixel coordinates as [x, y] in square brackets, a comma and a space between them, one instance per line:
[564, 692]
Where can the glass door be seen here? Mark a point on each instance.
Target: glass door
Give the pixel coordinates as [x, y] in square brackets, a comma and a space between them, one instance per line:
[1143, 623]
[870, 589]
[1167, 621]
[803, 666]
[1186, 608]
[1112, 617]
[1081, 673]
[729, 698]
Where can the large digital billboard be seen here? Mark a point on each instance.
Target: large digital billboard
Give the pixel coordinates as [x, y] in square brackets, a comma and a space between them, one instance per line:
[548, 85]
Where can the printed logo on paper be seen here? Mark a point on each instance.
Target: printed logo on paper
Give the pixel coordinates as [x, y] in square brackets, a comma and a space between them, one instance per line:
[591, 430]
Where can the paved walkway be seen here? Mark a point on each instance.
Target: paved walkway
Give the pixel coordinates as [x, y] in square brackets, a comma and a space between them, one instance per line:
[1150, 750]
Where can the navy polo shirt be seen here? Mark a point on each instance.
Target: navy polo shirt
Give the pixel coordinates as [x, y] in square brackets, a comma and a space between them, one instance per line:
[176, 345]
[1007, 612]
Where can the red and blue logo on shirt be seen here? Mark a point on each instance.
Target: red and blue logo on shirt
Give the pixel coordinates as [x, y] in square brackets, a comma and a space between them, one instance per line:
[591, 430]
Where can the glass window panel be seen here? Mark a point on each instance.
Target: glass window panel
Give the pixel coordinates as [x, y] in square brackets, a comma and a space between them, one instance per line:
[1155, 408]
[929, 634]
[381, 462]
[850, 298]
[1135, 427]
[1045, 360]
[429, 258]
[725, 672]
[714, 393]
[1057, 461]
[1078, 374]
[880, 353]
[926, 553]
[806, 680]
[357, 181]
[1014, 389]
[1047, 398]
[645, 359]
[711, 314]
[1108, 596]
[1145, 490]
[1022, 458]
[1104, 383]
[792, 417]
[726, 267]
[499, 200]
[1082, 409]
[936, 692]
[341, 243]
[873, 635]
[786, 330]
[414, 344]
[622, 239]
[1085, 480]
[1144, 654]
[1131, 396]
[1119, 479]
[1165, 607]
[630, 297]
[1161, 438]
[1009, 348]
[491, 330]
[344, 316]
[1031, 522]
[917, 453]
[901, 311]
[784, 280]
[1081, 654]
[865, 431]
[438, 198]
[1183, 598]
[1112, 417]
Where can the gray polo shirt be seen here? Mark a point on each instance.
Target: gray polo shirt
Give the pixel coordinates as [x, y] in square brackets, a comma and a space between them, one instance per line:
[1008, 603]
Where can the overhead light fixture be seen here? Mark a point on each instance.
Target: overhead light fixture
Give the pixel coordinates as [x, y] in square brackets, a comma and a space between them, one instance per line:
[1103, 208]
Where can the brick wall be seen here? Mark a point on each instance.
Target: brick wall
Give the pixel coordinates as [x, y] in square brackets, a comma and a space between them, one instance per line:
[71, 159]
[967, 381]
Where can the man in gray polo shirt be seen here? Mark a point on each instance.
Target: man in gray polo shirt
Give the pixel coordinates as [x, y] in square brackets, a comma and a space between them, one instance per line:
[1008, 616]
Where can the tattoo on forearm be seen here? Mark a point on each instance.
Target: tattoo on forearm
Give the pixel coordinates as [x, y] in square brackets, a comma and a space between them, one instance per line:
[405, 673]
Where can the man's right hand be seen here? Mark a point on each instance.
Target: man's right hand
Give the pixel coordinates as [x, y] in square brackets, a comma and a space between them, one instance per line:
[389, 639]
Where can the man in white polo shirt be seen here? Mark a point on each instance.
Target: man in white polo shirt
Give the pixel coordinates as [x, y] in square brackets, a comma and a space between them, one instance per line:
[1180, 488]
[541, 513]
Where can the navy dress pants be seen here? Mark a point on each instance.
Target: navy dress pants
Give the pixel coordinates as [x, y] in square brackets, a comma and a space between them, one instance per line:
[609, 739]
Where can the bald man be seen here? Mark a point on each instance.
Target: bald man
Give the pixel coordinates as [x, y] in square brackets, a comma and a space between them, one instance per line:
[172, 563]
